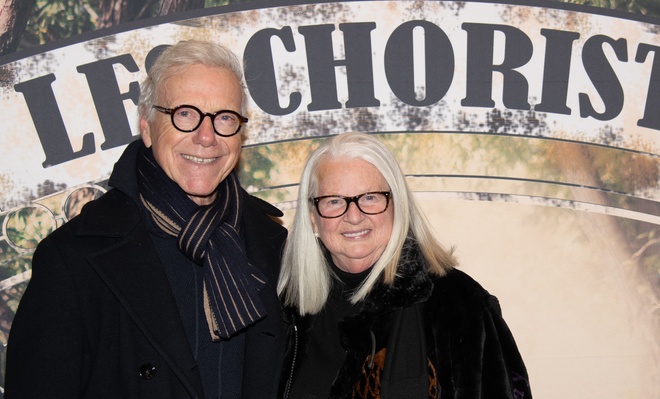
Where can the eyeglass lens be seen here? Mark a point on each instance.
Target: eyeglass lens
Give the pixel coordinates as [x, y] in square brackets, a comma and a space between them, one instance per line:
[368, 203]
[187, 119]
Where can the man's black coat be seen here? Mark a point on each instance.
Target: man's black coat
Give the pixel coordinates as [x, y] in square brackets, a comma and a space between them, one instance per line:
[98, 319]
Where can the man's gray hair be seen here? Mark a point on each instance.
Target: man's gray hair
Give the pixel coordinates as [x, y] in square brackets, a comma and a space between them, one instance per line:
[180, 56]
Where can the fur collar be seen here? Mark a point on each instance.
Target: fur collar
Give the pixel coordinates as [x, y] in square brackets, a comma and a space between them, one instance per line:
[411, 285]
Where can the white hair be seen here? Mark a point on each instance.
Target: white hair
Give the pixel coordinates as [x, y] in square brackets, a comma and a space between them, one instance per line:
[180, 56]
[305, 278]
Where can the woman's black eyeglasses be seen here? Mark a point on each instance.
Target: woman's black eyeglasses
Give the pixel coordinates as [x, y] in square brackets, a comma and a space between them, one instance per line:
[334, 206]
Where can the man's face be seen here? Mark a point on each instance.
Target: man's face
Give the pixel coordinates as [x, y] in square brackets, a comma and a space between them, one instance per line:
[200, 160]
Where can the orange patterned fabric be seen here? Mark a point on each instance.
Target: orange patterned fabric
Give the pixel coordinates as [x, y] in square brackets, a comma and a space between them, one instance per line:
[368, 384]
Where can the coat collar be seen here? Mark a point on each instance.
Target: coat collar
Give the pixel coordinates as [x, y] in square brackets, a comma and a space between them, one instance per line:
[411, 285]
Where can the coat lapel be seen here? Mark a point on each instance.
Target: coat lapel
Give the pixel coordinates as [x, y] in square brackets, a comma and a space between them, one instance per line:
[132, 271]
[141, 287]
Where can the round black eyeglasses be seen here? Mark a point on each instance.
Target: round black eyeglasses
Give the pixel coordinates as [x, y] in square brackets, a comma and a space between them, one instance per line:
[334, 206]
[187, 118]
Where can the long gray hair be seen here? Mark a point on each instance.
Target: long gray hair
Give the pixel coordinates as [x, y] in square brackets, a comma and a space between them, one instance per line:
[305, 278]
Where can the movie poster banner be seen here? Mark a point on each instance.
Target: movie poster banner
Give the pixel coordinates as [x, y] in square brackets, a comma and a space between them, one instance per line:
[530, 133]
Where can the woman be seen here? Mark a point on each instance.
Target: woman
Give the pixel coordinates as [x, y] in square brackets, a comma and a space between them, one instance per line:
[376, 308]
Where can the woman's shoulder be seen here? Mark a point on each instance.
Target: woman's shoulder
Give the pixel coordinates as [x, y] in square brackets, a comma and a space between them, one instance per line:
[458, 280]
[459, 291]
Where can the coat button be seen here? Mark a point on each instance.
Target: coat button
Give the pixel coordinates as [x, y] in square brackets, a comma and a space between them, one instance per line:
[147, 371]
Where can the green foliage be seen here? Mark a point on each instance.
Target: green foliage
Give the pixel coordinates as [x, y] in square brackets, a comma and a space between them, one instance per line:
[216, 3]
[644, 7]
[256, 171]
[648, 253]
[28, 226]
[53, 20]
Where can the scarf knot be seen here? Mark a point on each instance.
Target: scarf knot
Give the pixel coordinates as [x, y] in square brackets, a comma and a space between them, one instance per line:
[210, 236]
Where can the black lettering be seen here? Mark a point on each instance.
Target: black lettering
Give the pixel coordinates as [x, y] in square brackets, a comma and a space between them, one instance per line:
[556, 71]
[153, 54]
[109, 101]
[359, 64]
[260, 71]
[603, 77]
[651, 117]
[480, 67]
[321, 64]
[438, 63]
[47, 119]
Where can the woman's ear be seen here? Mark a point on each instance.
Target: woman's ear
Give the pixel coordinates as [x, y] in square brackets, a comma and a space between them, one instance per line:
[312, 218]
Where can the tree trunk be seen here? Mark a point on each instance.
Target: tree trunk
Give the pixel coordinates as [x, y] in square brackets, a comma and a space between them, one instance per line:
[14, 15]
[171, 6]
[114, 12]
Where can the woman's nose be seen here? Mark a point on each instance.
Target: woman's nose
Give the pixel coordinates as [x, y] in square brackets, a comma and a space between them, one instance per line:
[353, 213]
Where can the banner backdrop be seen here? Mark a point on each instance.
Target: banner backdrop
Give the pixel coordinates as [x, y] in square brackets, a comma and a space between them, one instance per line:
[529, 132]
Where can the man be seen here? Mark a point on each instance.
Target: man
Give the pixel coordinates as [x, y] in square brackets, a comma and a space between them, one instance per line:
[165, 286]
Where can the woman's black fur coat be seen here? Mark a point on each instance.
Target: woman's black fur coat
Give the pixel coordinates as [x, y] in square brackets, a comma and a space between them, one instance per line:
[464, 336]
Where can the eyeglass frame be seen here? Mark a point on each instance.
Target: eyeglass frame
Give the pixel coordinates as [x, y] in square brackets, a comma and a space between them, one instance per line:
[354, 199]
[170, 111]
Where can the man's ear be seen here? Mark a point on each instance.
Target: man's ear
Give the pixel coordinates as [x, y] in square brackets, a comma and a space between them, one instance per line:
[145, 133]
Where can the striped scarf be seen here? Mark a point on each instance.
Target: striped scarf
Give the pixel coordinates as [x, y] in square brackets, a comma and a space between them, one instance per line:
[210, 236]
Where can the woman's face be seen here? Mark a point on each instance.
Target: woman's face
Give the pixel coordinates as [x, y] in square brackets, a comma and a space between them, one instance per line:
[200, 160]
[355, 240]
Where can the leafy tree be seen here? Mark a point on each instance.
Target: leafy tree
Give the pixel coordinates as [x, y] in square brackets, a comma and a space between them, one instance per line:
[35, 22]
[644, 7]
[114, 12]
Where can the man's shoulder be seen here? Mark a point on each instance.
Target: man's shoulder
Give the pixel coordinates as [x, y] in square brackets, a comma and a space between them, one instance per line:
[263, 216]
[257, 204]
[113, 214]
